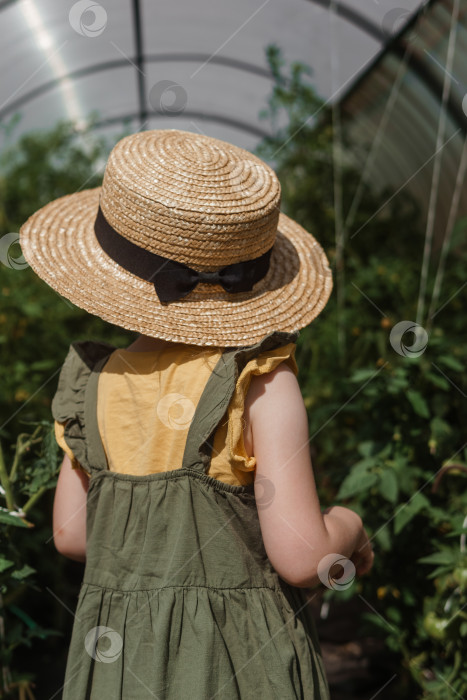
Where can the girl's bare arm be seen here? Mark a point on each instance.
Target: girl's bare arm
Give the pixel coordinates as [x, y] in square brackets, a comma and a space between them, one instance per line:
[69, 512]
[296, 534]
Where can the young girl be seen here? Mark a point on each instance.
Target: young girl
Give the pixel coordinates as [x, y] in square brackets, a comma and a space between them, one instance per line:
[186, 486]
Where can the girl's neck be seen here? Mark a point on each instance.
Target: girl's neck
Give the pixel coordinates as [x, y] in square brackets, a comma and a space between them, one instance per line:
[145, 343]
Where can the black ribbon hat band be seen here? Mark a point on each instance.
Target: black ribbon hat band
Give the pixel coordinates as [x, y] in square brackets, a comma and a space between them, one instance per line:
[173, 280]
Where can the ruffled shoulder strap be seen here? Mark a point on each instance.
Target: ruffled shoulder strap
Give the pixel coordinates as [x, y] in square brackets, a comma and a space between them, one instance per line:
[69, 402]
[263, 363]
[217, 394]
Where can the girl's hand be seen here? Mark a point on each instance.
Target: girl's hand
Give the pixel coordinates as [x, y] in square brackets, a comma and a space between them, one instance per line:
[363, 555]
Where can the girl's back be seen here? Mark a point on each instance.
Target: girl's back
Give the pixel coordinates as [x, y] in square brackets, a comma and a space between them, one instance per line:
[177, 581]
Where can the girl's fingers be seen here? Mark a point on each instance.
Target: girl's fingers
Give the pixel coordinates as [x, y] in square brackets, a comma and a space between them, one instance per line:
[363, 564]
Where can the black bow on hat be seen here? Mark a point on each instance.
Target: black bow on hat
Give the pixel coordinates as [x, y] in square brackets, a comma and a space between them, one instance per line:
[173, 280]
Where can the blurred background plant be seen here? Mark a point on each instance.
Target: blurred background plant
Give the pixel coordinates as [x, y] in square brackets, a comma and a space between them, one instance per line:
[39, 587]
[386, 427]
[30, 474]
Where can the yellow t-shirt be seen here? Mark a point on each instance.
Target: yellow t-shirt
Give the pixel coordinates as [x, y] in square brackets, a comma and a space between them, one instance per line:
[146, 400]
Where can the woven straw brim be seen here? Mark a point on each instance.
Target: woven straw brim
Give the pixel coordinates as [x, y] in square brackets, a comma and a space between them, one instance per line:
[59, 243]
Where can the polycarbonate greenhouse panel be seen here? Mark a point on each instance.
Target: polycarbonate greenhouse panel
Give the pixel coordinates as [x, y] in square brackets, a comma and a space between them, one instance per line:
[397, 113]
[216, 52]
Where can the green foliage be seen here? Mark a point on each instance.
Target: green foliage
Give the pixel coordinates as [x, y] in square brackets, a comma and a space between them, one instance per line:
[383, 427]
[36, 328]
[33, 471]
[36, 323]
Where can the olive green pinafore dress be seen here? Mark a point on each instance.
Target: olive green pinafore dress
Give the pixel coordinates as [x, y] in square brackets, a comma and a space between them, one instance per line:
[178, 599]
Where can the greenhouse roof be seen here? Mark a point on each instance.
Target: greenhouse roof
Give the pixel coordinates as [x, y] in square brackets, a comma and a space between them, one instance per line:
[188, 65]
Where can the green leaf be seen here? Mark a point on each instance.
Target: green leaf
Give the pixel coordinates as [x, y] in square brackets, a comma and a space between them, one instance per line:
[440, 570]
[438, 381]
[43, 364]
[375, 620]
[401, 462]
[5, 563]
[388, 485]
[419, 404]
[457, 532]
[439, 428]
[394, 614]
[451, 362]
[364, 464]
[361, 375]
[20, 574]
[355, 483]
[11, 519]
[386, 452]
[434, 686]
[366, 448]
[446, 557]
[24, 616]
[405, 514]
[395, 384]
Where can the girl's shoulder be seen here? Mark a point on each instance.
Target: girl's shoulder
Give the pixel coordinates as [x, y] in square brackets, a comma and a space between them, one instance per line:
[253, 374]
[68, 403]
[88, 351]
[81, 359]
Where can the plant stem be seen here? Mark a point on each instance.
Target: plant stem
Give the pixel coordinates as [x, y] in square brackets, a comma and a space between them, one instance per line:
[18, 453]
[6, 673]
[35, 497]
[22, 447]
[457, 663]
[6, 483]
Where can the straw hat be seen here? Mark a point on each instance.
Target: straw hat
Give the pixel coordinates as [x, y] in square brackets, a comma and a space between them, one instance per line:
[173, 207]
